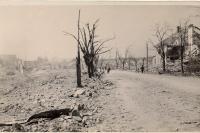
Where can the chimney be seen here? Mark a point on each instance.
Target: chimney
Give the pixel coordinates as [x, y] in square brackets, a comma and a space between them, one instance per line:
[178, 29]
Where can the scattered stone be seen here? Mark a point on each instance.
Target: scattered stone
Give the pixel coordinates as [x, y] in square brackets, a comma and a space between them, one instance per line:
[90, 94]
[88, 114]
[18, 127]
[84, 120]
[80, 106]
[75, 113]
[95, 110]
[78, 93]
[68, 117]
[102, 87]
[77, 118]
[70, 95]
[98, 120]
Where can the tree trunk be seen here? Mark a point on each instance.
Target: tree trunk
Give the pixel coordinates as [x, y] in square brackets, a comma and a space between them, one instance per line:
[182, 69]
[116, 65]
[163, 61]
[89, 71]
[182, 50]
[92, 69]
[136, 67]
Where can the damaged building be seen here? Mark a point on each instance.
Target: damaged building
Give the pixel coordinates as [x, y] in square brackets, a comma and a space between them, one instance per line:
[172, 46]
[11, 62]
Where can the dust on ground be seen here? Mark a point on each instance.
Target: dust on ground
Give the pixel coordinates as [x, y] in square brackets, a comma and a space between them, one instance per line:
[147, 102]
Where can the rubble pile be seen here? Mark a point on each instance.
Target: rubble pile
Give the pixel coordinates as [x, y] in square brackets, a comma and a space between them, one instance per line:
[46, 90]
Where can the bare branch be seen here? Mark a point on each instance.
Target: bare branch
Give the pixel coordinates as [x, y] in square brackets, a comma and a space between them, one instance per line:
[69, 34]
[104, 51]
[102, 43]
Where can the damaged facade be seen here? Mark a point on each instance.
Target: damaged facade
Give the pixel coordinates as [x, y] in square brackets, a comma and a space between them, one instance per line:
[172, 46]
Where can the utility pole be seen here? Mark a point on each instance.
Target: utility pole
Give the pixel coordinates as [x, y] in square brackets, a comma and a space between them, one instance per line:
[78, 59]
[147, 56]
[182, 34]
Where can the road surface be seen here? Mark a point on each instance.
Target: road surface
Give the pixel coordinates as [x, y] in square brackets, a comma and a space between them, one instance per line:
[145, 102]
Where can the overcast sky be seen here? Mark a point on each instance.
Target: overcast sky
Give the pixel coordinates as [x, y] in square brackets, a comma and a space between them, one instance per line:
[31, 31]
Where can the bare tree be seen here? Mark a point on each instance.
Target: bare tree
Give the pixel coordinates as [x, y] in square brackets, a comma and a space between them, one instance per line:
[123, 59]
[126, 59]
[130, 57]
[161, 33]
[129, 62]
[90, 46]
[136, 63]
[182, 32]
[117, 59]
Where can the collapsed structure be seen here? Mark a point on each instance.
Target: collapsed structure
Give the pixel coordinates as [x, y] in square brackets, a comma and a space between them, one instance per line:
[13, 63]
[9, 61]
[172, 47]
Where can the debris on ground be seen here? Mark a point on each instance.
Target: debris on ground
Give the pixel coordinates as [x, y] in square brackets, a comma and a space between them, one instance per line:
[47, 100]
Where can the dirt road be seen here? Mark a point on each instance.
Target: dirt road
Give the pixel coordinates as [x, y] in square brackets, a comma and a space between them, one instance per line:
[145, 102]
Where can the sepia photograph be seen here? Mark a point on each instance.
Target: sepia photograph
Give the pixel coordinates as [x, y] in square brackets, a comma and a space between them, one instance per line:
[104, 66]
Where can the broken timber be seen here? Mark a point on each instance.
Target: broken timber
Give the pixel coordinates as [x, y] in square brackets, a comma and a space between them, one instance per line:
[51, 114]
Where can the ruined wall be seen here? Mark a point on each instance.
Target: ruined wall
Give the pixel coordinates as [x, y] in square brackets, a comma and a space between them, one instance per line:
[8, 61]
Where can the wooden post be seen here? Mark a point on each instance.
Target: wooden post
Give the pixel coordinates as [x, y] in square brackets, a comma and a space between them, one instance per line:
[147, 56]
[78, 60]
